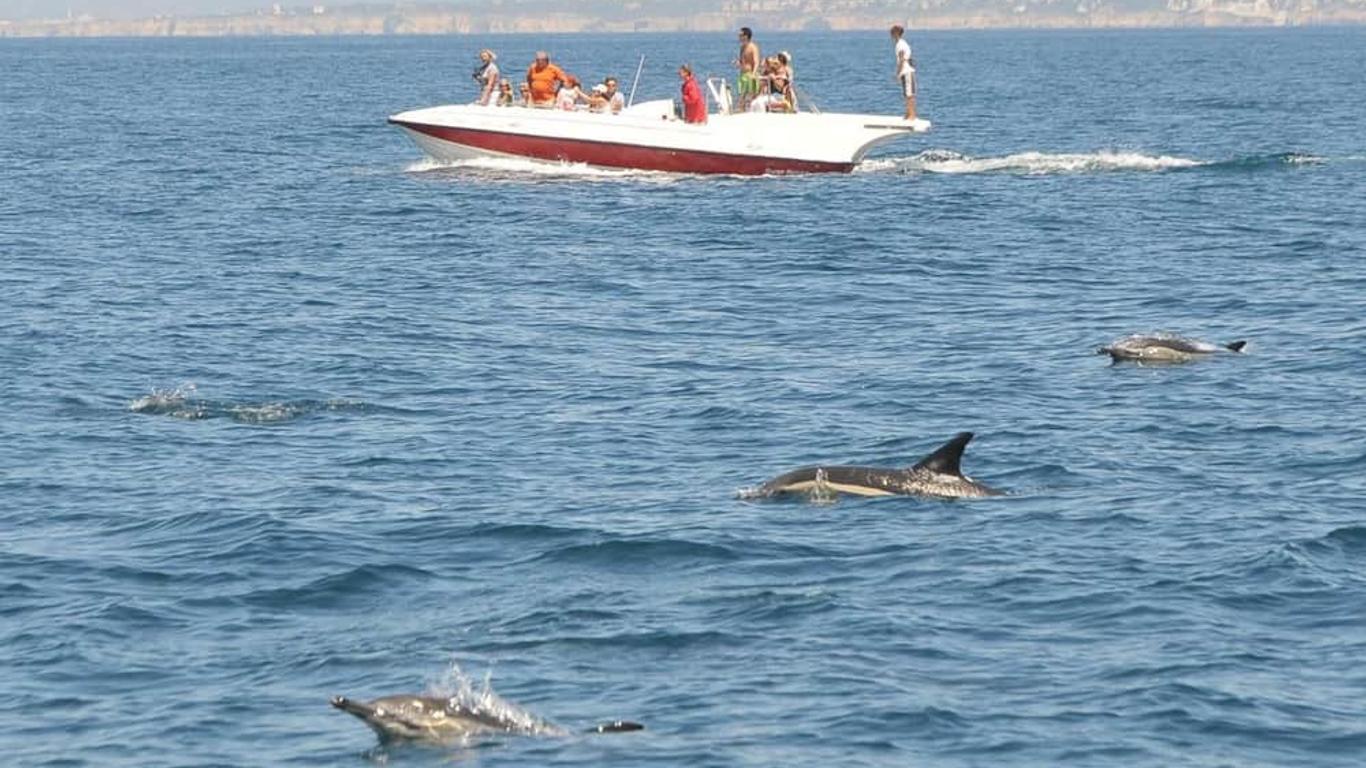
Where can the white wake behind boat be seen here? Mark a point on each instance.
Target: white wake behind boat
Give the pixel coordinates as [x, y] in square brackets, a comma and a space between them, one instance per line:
[649, 136]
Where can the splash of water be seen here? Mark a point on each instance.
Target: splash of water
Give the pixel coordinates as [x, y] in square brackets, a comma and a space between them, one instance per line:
[1030, 163]
[182, 402]
[515, 167]
[480, 698]
[177, 402]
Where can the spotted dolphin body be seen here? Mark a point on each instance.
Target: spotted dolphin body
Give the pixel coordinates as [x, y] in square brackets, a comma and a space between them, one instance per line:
[937, 476]
[437, 720]
[1164, 349]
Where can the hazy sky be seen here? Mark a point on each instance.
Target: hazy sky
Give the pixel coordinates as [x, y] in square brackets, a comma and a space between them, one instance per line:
[48, 9]
[125, 9]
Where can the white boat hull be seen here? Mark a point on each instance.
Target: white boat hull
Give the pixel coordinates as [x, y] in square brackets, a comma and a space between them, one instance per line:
[649, 137]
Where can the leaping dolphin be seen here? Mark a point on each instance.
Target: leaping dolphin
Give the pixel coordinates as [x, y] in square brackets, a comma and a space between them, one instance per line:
[437, 720]
[937, 475]
[1164, 348]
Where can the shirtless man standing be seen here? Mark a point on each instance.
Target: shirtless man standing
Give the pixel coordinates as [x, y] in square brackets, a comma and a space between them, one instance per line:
[748, 85]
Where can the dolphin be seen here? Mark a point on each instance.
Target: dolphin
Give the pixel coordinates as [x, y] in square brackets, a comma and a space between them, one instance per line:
[437, 720]
[936, 476]
[1164, 348]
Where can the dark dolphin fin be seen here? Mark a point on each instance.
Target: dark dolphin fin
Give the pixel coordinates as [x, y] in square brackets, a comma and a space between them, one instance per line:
[946, 458]
[1236, 346]
[616, 726]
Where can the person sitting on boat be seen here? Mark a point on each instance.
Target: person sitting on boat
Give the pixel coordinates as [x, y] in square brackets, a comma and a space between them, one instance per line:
[525, 91]
[570, 95]
[544, 80]
[775, 87]
[505, 98]
[487, 76]
[597, 100]
[694, 105]
[615, 100]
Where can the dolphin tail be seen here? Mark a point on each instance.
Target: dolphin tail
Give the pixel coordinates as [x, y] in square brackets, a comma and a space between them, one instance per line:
[1236, 346]
[946, 458]
[616, 726]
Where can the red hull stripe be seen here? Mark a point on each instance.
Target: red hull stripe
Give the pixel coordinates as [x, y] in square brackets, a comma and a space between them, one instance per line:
[615, 155]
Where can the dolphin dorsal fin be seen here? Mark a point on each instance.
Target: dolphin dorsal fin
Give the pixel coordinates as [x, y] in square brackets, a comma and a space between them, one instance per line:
[946, 457]
[1236, 346]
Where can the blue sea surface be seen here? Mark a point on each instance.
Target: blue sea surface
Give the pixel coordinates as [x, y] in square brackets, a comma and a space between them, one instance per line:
[291, 412]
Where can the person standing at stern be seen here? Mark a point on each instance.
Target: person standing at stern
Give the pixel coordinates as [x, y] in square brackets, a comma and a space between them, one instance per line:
[694, 105]
[905, 69]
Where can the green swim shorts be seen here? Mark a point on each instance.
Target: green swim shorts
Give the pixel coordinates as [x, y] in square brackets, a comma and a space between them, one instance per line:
[748, 84]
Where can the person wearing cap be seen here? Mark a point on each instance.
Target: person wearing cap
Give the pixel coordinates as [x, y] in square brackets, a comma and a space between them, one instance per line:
[597, 100]
[544, 79]
[694, 106]
[487, 76]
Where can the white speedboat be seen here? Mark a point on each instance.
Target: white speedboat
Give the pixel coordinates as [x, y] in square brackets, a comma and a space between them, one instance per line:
[650, 136]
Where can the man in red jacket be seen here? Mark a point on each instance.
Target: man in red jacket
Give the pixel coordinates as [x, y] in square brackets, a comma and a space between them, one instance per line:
[694, 106]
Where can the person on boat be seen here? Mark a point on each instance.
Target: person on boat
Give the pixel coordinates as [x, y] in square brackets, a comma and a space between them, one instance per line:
[905, 68]
[570, 95]
[597, 100]
[505, 98]
[694, 105]
[544, 80]
[615, 100]
[487, 76]
[747, 84]
[776, 93]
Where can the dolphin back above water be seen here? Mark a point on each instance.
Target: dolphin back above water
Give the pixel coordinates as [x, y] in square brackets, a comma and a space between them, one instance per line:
[437, 720]
[1164, 348]
[938, 475]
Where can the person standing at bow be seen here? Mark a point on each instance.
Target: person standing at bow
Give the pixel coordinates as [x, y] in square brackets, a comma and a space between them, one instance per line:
[905, 69]
[487, 76]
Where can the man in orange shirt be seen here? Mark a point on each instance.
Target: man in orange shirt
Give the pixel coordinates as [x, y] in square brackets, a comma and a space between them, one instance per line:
[542, 77]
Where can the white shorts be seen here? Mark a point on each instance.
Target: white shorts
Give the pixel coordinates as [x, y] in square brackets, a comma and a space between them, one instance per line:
[908, 83]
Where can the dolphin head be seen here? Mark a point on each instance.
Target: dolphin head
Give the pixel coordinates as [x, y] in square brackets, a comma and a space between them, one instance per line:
[417, 718]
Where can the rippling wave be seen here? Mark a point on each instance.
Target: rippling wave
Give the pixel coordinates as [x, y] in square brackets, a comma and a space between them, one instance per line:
[496, 411]
[182, 402]
[1044, 163]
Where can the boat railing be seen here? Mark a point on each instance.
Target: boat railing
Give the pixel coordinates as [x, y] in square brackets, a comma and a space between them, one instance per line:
[719, 89]
[720, 94]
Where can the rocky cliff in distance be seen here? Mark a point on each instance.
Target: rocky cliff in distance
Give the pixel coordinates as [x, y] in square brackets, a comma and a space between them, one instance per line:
[524, 16]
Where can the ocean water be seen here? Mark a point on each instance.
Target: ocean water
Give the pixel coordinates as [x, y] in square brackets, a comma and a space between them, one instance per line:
[290, 412]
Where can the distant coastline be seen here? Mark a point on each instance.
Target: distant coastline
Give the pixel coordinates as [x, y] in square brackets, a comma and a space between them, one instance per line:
[323, 20]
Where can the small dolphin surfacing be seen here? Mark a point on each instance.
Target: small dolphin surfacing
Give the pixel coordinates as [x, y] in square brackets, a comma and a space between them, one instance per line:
[1164, 348]
[437, 720]
[938, 475]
